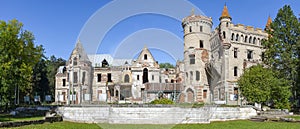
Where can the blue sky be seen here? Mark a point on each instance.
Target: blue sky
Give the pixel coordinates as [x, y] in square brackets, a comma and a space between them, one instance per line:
[122, 27]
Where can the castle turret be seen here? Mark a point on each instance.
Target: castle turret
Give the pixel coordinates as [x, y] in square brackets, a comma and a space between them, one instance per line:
[197, 29]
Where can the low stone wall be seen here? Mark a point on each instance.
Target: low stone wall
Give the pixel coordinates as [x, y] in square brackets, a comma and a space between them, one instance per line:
[153, 115]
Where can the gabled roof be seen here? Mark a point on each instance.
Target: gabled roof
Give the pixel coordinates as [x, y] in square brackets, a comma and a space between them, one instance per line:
[143, 52]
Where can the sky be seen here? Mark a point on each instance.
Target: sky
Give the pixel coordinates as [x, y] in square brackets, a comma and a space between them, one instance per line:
[123, 27]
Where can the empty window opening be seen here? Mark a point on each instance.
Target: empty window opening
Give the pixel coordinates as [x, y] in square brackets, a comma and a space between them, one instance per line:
[235, 71]
[201, 43]
[235, 51]
[249, 54]
[99, 77]
[192, 59]
[109, 77]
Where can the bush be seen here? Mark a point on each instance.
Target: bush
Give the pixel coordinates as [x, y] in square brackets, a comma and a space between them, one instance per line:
[162, 101]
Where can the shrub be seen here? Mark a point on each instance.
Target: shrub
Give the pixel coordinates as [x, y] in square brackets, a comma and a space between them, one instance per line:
[162, 101]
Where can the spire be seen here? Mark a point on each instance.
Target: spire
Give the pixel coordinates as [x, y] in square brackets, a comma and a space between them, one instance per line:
[79, 50]
[192, 11]
[225, 13]
[269, 22]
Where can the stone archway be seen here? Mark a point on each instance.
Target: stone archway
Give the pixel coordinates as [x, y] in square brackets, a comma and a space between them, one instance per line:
[189, 95]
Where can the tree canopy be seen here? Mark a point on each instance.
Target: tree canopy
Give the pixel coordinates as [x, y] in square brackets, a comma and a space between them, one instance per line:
[283, 46]
[261, 85]
[166, 65]
[18, 56]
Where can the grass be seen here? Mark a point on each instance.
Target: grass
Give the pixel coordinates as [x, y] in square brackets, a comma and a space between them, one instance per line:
[239, 124]
[7, 117]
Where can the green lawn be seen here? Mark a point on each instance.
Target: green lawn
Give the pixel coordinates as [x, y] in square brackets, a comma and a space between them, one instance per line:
[7, 117]
[241, 124]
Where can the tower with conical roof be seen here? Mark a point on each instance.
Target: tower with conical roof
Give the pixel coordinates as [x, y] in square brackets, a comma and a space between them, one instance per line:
[79, 70]
[197, 29]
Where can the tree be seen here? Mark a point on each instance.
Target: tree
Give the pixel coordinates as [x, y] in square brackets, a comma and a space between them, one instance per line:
[40, 80]
[166, 65]
[283, 46]
[52, 65]
[18, 55]
[261, 85]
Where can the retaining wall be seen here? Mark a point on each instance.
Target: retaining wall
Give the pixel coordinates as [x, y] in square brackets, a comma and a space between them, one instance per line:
[153, 115]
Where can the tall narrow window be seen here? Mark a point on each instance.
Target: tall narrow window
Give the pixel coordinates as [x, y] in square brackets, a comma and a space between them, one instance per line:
[74, 61]
[254, 40]
[246, 37]
[235, 51]
[201, 43]
[235, 71]
[262, 56]
[250, 39]
[249, 54]
[190, 28]
[237, 37]
[126, 78]
[145, 56]
[197, 75]
[232, 36]
[204, 94]
[109, 77]
[83, 77]
[224, 35]
[138, 77]
[191, 76]
[201, 28]
[64, 82]
[75, 77]
[152, 77]
[99, 77]
[192, 59]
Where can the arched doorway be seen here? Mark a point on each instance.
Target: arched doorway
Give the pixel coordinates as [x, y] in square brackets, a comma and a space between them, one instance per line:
[190, 95]
[145, 75]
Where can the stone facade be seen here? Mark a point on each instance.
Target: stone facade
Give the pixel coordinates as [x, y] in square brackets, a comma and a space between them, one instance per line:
[220, 56]
[213, 61]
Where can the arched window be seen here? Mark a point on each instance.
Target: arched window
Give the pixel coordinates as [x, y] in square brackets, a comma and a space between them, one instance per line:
[197, 75]
[74, 61]
[190, 28]
[254, 40]
[250, 39]
[237, 37]
[232, 36]
[246, 37]
[224, 35]
[145, 56]
[242, 38]
[126, 78]
[258, 41]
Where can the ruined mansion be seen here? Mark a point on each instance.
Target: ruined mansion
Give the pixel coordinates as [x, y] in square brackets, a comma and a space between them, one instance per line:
[213, 61]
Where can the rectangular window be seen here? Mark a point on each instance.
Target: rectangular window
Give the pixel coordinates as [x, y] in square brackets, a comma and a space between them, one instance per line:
[201, 28]
[64, 82]
[68, 76]
[235, 51]
[138, 77]
[190, 28]
[75, 77]
[201, 43]
[109, 77]
[262, 56]
[99, 77]
[204, 94]
[249, 54]
[192, 59]
[152, 77]
[235, 71]
[83, 77]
